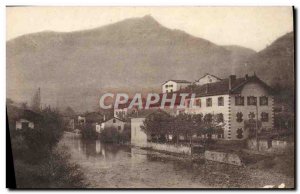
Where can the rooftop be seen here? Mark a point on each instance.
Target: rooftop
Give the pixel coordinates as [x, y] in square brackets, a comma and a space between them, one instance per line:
[179, 81]
[223, 86]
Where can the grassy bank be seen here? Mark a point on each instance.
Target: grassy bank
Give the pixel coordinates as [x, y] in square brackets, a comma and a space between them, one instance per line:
[38, 161]
[54, 171]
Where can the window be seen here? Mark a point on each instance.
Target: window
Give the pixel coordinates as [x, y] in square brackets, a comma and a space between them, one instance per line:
[198, 102]
[251, 100]
[208, 102]
[170, 85]
[114, 120]
[220, 101]
[264, 117]
[119, 128]
[251, 115]
[239, 117]
[239, 133]
[171, 90]
[263, 101]
[239, 100]
[166, 86]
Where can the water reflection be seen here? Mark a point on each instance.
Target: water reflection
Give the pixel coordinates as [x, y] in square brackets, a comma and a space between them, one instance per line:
[125, 166]
[95, 148]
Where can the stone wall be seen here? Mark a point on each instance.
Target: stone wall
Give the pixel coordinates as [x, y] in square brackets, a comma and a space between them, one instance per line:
[170, 148]
[275, 146]
[228, 158]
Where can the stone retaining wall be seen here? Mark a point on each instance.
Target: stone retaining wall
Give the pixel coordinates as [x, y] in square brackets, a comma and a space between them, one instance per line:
[170, 148]
[228, 158]
[274, 146]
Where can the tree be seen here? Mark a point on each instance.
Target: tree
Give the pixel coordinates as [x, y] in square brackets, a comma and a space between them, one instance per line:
[157, 124]
[41, 140]
[69, 112]
[36, 101]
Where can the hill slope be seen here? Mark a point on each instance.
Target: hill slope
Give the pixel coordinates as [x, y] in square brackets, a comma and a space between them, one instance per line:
[139, 53]
[275, 64]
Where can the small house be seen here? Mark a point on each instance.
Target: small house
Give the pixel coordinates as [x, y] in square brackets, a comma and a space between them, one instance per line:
[113, 123]
[174, 85]
[20, 119]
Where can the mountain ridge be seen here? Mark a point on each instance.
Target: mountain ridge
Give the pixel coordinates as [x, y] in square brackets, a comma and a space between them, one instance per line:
[76, 67]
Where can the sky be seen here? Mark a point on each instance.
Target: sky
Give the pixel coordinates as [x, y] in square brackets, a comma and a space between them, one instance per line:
[252, 27]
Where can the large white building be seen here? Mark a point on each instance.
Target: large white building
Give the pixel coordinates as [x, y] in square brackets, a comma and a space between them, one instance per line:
[174, 85]
[242, 102]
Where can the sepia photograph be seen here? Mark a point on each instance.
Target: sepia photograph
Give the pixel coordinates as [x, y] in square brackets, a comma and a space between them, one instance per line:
[186, 97]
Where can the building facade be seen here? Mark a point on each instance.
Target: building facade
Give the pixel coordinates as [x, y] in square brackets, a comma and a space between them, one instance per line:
[24, 124]
[243, 104]
[174, 85]
[113, 123]
[138, 136]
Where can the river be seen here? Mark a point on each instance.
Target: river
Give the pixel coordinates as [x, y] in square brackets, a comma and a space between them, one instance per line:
[119, 166]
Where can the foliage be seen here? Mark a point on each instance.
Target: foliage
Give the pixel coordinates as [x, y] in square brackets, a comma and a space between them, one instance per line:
[159, 125]
[37, 160]
[89, 132]
[56, 172]
[32, 145]
[112, 135]
[69, 112]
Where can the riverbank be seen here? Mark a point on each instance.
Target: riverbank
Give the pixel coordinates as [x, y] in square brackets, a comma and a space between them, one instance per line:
[220, 175]
[115, 166]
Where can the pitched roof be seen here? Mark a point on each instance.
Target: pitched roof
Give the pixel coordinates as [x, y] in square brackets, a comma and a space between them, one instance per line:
[222, 87]
[181, 81]
[113, 118]
[126, 105]
[169, 96]
[146, 112]
[158, 104]
[15, 113]
[209, 75]
[253, 79]
[178, 81]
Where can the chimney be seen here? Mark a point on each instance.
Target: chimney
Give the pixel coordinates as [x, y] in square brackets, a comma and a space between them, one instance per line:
[246, 76]
[232, 79]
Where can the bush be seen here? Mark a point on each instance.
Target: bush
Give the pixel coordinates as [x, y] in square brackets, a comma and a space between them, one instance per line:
[56, 172]
[38, 162]
[112, 135]
[89, 131]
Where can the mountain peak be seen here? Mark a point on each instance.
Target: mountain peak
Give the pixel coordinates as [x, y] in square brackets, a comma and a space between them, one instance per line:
[148, 19]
